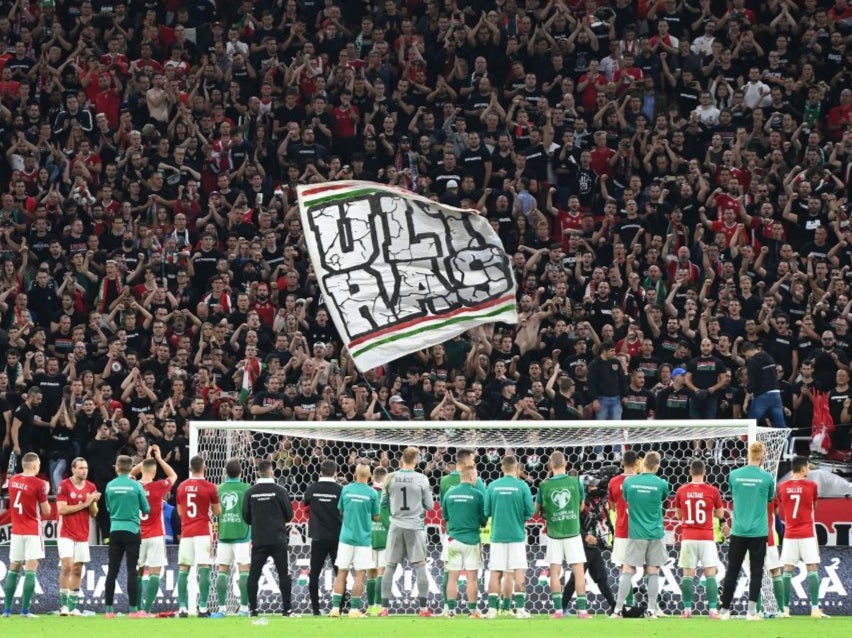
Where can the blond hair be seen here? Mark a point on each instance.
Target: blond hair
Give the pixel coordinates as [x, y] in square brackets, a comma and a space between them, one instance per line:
[756, 451]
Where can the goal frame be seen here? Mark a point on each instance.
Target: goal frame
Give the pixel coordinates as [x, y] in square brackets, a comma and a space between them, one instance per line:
[729, 427]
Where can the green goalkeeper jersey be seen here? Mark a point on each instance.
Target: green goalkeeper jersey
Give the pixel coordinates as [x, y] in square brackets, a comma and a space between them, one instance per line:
[463, 509]
[751, 488]
[509, 503]
[561, 498]
[454, 478]
[380, 527]
[645, 495]
[359, 503]
[232, 527]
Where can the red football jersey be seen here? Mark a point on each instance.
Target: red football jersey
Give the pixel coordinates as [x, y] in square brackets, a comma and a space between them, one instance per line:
[797, 499]
[770, 509]
[74, 526]
[697, 502]
[616, 497]
[25, 495]
[152, 523]
[194, 498]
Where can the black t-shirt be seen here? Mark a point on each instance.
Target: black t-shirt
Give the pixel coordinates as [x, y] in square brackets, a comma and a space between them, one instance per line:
[705, 371]
[26, 416]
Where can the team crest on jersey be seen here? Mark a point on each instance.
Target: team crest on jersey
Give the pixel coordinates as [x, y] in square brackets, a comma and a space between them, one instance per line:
[73, 494]
[229, 500]
[561, 498]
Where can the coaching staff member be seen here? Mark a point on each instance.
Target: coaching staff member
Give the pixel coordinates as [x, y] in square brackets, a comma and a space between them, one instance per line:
[322, 498]
[267, 508]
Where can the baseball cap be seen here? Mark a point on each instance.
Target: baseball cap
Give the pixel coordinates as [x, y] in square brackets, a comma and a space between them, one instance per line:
[452, 184]
[396, 399]
[677, 372]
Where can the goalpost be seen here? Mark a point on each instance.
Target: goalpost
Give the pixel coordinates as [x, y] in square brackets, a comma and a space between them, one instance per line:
[593, 449]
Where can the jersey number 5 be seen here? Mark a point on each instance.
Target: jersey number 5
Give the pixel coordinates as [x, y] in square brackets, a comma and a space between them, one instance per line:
[191, 507]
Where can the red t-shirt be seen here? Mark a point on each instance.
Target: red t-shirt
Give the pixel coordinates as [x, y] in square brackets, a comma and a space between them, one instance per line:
[616, 496]
[722, 227]
[26, 493]
[152, 523]
[74, 526]
[194, 498]
[697, 502]
[770, 510]
[797, 499]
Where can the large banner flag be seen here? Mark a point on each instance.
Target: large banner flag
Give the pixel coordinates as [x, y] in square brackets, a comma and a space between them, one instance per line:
[399, 272]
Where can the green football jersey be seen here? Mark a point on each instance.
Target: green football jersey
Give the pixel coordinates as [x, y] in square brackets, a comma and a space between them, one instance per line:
[359, 503]
[561, 499]
[751, 488]
[509, 504]
[126, 502]
[380, 527]
[645, 495]
[454, 478]
[232, 527]
[463, 509]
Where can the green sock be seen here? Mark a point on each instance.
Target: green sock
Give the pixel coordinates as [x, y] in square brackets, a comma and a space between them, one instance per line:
[29, 588]
[687, 589]
[151, 591]
[371, 591]
[629, 602]
[73, 597]
[813, 588]
[444, 580]
[222, 589]
[204, 586]
[141, 584]
[9, 588]
[493, 601]
[451, 605]
[243, 589]
[778, 591]
[133, 609]
[109, 609]
[63, 597]
[507, 604]
[183, 586]
[520, 600]
[336, 599]
[557, 601]
[582, 602]
[378, 600]
[471, 605]
[788, 588]
[759, 604]
[712, 586]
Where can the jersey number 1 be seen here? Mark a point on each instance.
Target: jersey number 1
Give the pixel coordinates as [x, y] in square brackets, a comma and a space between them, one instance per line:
[404, 507]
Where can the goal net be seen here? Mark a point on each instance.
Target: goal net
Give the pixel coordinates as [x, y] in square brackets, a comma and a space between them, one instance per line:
[593, 449]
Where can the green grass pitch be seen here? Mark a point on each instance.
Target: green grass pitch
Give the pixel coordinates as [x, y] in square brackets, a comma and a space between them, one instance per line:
[459, 627]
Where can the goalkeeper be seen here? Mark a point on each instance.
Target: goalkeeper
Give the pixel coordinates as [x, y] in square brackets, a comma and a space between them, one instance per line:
[410, 496]
[560, 501]
[234, 544]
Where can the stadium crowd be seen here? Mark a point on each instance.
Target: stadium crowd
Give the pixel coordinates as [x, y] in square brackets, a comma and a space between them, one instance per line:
[670, 178]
